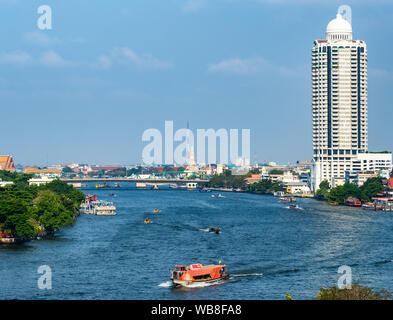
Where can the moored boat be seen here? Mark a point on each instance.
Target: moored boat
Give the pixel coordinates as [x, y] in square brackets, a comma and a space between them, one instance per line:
[353, 202]
[333, 203]
[197, 273]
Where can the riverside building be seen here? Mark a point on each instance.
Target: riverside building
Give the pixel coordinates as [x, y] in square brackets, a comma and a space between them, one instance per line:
[339, 103]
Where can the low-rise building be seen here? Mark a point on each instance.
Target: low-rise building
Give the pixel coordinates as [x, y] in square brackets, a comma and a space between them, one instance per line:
[372, 161]
[360, 177]
[5, 183]
[48, 173]
[297, 187]
[40, 181]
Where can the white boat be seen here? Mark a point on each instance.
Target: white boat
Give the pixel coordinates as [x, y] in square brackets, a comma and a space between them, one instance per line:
[103, 208]
[99, 208]
[217, 195]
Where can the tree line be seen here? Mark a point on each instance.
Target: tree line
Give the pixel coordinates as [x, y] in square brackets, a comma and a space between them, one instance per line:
[30, 211]
[339, 194]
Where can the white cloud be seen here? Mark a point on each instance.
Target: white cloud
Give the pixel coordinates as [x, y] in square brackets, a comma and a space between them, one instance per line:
[124, 56]
[378, 73]
[40, 38]
[193, 5]
[17, 57]
[253, 66]
[52, 59]
[48, 58]
[240, 66]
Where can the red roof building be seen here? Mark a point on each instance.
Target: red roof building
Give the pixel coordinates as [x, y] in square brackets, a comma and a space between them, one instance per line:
[390, 183]
[7, 163]
[253, 179]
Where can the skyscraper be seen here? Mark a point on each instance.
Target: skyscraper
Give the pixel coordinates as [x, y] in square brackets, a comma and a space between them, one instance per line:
[339, 103]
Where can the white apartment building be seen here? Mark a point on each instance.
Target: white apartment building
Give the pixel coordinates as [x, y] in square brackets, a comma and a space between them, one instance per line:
[373, 162]
[339, 103]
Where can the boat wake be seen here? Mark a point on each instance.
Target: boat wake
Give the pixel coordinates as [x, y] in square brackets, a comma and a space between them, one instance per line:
[165, 284]
[246, 275]
[204, 230]
[298, 208]
[203, 284]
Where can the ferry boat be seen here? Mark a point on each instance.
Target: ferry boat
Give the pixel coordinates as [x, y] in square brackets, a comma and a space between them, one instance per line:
[103, 208]
[353, 202]
[372, 206]
[197, 273]
[99, 208]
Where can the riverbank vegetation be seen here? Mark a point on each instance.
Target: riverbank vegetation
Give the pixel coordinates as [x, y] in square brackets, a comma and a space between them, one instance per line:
[339, 194]
[227, 180]
[27, 212]
[264, 186]
[357, 292]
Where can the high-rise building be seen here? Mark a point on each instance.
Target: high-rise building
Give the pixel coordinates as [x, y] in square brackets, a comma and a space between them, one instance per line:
[339, 103]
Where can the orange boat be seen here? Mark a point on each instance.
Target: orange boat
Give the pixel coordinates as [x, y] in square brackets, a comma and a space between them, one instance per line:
[197, 273]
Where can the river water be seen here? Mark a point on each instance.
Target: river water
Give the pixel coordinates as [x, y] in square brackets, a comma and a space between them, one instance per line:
[269, 249]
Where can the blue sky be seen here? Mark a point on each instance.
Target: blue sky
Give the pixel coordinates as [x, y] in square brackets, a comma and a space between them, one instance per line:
[87, 89]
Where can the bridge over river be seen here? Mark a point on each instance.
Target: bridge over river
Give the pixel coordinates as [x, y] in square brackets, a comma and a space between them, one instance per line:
[141, 182]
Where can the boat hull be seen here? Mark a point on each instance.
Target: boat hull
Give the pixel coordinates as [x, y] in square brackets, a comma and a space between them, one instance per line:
[190, 283]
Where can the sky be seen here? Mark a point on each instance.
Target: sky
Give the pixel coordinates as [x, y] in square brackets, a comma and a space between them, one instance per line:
[86, 90]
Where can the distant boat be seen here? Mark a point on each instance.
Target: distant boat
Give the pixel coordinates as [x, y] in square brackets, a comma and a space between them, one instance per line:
[295, 207]
[105, 185]
[216, 230]
[217, 195]
[287, 199]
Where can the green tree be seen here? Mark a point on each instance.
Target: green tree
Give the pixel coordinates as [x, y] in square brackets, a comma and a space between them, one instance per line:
[265, 186]
[323, 191]
[341, 193]
[51, 211]
[371, 188]
[67, 170]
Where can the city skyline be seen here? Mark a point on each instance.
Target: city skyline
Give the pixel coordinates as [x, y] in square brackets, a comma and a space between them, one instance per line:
[80, 91]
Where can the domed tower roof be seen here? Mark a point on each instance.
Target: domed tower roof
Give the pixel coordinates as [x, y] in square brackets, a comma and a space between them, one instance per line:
[339, 29]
